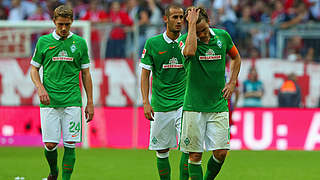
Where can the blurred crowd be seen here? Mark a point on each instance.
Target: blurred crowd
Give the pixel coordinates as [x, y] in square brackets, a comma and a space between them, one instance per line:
[253, 24]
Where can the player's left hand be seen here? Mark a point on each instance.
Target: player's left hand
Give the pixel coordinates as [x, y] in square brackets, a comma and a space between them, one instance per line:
[228, 90]
[89, 112]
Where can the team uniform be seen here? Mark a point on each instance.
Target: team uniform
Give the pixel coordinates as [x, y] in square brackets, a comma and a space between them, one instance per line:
[162, 56]
[205, 123]
[62, 61]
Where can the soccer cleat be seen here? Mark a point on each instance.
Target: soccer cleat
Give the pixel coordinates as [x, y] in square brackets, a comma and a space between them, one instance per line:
[52, 177]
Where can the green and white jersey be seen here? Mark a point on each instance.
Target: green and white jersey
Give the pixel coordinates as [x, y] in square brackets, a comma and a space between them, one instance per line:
[162, 56]
[206, 73]
[62, 61]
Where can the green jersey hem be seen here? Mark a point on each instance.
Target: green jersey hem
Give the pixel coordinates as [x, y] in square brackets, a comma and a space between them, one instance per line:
[59, 106]
[197, 109]
[161, 109]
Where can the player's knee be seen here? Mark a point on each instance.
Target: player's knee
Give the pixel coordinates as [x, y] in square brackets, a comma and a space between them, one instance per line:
[195, 157]
[162, 153]
[51, 146]
[69, 144]
[220, 154]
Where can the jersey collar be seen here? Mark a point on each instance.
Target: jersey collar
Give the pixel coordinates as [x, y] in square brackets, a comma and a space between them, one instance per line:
[57, 37]
[211, 32]
[167, 39]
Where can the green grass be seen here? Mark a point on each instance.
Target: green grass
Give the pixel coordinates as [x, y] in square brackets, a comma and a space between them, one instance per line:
[115, 164]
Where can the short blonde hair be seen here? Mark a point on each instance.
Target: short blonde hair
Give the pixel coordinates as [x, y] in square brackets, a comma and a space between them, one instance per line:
[63, 11]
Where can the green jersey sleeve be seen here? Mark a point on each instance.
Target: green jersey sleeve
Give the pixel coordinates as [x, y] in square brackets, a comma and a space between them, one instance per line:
[85, 61]
[38, 57]
[146, 57]
[182, 42]
[229, 42]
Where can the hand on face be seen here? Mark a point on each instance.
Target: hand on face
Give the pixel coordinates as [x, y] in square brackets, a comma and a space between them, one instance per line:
[193, 15]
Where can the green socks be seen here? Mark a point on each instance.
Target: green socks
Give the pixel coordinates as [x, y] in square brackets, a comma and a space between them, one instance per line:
[164, 168]
[184, 174]
[195, 171]
[213, 168]
[68, 161]
[51, 157]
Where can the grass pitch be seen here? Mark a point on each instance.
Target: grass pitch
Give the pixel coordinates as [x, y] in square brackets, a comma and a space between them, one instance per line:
[116, 164]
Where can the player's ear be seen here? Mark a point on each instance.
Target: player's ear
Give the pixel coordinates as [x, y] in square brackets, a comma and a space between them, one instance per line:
[165, 19]
[54, 21]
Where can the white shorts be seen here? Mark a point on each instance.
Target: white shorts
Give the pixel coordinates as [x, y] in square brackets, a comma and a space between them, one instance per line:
[204, 131]
[165, 130]
[54, 120]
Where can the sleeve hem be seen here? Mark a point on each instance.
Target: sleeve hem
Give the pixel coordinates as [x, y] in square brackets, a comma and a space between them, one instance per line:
[85, 66]
[34, 63]
[148, 67]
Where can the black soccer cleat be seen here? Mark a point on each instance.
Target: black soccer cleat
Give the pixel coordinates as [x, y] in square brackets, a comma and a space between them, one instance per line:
[52, 177]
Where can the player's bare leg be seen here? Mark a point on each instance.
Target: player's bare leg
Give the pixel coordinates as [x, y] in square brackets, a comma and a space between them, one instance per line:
[163, 164]
[52, 156]
[215, 163]
[194, 166]
[68, 161]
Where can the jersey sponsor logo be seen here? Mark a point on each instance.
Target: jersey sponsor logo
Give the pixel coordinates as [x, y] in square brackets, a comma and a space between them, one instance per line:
[162, 52]
[210, 55]
[73, 48]
[173, 63]
[143, 53]
[63, 53]
[52, 47]
[62, 56]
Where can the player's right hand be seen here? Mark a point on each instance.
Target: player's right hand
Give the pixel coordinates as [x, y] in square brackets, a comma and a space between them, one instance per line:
[193, 15]
[43, 96]
[148, 112]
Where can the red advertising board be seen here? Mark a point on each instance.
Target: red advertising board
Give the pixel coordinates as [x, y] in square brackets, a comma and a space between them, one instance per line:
[276, 129]
[126, 127]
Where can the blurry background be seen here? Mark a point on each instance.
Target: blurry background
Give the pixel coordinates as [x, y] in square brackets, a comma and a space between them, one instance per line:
[275, 105]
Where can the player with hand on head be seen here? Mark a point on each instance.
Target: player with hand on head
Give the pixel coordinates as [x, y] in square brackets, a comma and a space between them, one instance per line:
[62, 55]
[162, 56]
[205, 123]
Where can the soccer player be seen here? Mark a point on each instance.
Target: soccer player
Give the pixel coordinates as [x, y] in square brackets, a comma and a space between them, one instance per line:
[162, 56]
[205, 123]
[62, 55]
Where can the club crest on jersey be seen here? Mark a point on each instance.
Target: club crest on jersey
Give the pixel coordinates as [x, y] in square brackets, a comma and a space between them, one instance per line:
[210, 55]
[143, 53]
[62, 56]
[219, 43]
[73, 48]
[173, 63]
